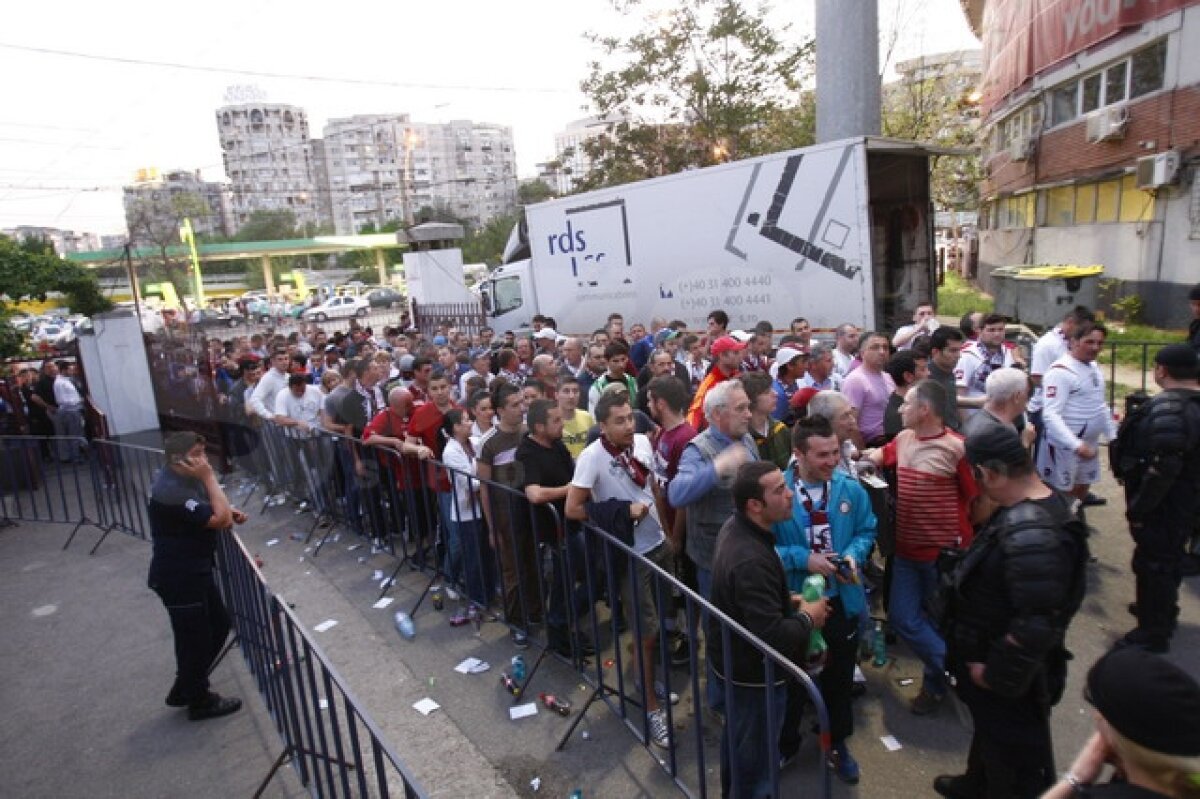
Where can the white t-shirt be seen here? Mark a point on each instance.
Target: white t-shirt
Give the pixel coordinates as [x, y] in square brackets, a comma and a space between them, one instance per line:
[974, 366]
[841, 362]
[599, 472]
[1076, 408]
[306, 408]
[1048, 349]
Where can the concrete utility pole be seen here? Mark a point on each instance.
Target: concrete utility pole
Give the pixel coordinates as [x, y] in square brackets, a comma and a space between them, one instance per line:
[848, 101]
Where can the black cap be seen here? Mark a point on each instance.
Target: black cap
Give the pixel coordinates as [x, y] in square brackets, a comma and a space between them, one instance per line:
[181, 443]
[1147, 699]
[996, 442]
[1177, 356]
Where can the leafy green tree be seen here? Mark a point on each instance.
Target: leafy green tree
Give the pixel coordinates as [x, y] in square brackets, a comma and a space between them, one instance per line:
[486, 245]
[268, 226]
[706, 82]
[154, 221]
[534, 191]
[30, 269]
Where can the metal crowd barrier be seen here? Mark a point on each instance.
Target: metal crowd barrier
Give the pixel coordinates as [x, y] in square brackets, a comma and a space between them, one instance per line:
[335, 747]
[38, 485]
[557, 582]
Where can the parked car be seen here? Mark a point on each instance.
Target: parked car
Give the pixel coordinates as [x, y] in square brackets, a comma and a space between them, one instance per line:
[385, 298]
[54, 334]
[337, 308]
[210, 317]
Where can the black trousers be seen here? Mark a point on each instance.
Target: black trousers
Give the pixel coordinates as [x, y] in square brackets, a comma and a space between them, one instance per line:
[835, 681]
[1157, 566]
[200, 624]
[1011, 754]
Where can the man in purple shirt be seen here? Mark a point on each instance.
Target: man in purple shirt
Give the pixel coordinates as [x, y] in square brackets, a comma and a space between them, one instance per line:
[868, 388]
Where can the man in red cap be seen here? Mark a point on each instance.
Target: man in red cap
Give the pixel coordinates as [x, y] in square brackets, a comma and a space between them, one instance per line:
[726, 360]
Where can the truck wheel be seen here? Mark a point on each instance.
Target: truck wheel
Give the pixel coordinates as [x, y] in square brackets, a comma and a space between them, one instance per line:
[233, 323]
[321, 317]
[361, 312]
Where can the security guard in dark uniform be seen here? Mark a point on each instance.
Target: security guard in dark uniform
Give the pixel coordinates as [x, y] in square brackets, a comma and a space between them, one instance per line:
[187, 510]
[1157, 456]
[1009, 599]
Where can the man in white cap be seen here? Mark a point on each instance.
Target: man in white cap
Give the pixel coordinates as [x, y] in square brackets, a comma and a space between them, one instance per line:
[790, 365]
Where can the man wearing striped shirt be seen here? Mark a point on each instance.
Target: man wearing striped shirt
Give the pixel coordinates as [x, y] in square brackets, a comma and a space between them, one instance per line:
[934, 494]
[1076, 414]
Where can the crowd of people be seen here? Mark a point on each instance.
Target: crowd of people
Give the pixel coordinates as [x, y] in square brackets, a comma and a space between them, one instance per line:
[935, 474]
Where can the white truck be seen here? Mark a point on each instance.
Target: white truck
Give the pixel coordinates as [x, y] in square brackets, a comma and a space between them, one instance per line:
[837, 232]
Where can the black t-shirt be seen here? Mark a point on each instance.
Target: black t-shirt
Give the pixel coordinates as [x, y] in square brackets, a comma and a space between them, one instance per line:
[178, 511]
[892, 422]
[549, 467]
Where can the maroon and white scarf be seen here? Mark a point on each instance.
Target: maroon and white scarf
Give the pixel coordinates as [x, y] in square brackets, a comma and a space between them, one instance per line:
[626, 460]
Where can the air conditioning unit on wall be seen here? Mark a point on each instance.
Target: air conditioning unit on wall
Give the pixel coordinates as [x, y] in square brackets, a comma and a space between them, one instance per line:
[1022, 148]
[1158, 170]
[1107, 124]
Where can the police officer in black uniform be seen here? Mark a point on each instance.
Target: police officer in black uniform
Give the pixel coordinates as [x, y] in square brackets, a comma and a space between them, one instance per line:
[1009, 600]
[187, 510]
[1157, 456]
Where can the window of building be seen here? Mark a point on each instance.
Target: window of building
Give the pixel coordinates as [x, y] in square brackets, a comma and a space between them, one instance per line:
[1060, 206]
[1085, 204]
[1108, 198]
[1136, 205]
[1147, 68]
[1127, 79]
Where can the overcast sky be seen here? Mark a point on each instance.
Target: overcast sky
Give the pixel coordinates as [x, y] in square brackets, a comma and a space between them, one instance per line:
[74, 130]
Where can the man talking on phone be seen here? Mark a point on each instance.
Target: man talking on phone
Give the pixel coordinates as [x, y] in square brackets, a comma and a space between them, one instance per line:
[187, 510]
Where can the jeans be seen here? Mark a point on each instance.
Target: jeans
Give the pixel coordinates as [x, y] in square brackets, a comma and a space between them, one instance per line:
[716, 700]
[913, 583]
[452, 562]
[747, 743]
[568, 588]
[478, 562]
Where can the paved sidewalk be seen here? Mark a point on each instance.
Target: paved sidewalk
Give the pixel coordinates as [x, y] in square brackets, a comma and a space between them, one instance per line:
[86, 663]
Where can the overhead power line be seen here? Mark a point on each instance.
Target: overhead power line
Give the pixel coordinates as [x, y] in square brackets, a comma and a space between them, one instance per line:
[393, 84]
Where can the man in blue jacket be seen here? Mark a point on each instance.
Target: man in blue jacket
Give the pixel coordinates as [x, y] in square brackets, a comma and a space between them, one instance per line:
[830, 533]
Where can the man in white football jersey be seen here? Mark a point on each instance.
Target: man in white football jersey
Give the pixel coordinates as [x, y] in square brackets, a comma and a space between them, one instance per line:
[979, 359]
[1076, 414]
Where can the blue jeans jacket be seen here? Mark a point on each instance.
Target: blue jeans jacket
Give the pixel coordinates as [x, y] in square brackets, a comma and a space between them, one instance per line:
[851, 525]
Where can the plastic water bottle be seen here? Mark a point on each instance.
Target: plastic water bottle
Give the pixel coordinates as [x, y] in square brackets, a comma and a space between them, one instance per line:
[576, 794]
[879, 646]
[818, 649]
[405, 626]
[518, 668]
[552, 702]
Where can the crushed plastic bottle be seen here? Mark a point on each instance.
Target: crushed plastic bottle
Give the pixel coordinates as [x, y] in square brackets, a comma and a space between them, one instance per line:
[510, 685]
[405, 626]
[551, 702]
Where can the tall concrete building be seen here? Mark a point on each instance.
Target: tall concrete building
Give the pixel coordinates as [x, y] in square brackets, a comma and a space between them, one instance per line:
[267, 156]
[1091, 139]
[155, 205]
[571, 161]
[381, 168]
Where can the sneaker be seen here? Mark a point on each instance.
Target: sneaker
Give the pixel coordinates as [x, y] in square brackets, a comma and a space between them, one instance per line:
[843, 764]
[451, 594]
[213, 706]
[660, 691]
[519, 639]
[926, 703]
[787, 760]
[660, 733]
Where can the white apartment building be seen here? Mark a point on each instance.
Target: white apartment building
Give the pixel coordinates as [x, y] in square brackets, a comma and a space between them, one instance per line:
[571, 161]
[380, 168]
[266, 150]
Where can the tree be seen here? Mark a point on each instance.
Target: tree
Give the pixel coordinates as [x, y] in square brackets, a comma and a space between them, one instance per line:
[30, 269]
[707, 82]
[486, 245]
[154, 220]
[268, 226]
[934, 104]
[534, 191]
